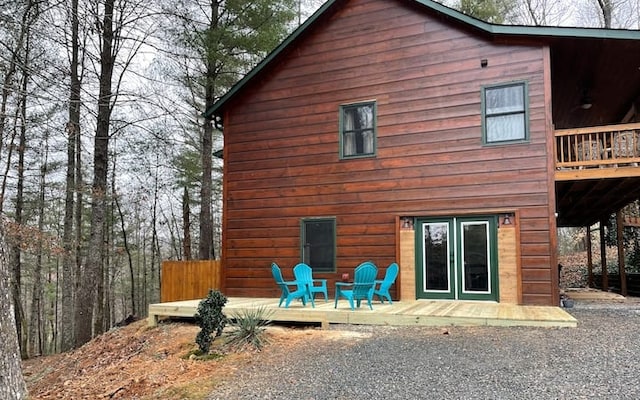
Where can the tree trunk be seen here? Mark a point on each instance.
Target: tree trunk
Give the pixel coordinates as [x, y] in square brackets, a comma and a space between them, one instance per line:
[134, 310]
[12, 386]
[73, 136]
[606, 8]
[206, 223]
[15, 248]
[37, 307]
[86, 300]
[155, 247]
[186, 221]
[603, 256]
[5, 174]
[7, 84]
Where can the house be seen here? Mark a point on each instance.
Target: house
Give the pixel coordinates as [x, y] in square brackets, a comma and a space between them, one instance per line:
[402, 130]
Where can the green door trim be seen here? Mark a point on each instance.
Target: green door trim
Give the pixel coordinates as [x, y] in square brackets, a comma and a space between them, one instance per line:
[492, 222]
[456, 266]
[421, 291]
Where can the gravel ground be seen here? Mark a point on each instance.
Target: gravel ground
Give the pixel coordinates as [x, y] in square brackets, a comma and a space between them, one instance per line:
[600, 359]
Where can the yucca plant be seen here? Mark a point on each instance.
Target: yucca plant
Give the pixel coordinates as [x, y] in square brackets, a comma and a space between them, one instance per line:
[248, 327]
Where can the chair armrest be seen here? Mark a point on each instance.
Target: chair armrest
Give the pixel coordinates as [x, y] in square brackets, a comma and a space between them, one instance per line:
[378, 281]
[324, 281]
[289, 282]
[341, 284]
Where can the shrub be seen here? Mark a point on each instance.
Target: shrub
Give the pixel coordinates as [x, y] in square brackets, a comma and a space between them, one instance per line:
[210, 319]
[248, 327]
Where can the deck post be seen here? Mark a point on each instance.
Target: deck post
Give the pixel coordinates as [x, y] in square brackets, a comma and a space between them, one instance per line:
[620, 239]
[152, 320]
[603, 257]
[589, 259]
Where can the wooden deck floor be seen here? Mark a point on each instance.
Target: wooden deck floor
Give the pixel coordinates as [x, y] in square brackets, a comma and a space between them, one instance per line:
[414, 313]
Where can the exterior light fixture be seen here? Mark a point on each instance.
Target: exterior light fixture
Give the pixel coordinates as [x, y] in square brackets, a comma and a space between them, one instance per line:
[586, 102]
[506, 220]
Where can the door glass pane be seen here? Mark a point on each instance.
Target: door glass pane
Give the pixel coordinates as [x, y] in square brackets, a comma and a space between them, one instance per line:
[475, 256]
[436, 260]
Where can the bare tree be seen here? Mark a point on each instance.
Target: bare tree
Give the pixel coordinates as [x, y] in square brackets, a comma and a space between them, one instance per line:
[186, 224]
[542, 12]
[36, 340]
[12, 386]
[619, 14]
[15, 48]
[606, 12]
[73, 139]
[20, 125]
[85, 299]
[122, 32]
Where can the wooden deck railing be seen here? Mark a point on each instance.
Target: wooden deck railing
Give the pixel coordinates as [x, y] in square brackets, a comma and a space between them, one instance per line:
[599, 146]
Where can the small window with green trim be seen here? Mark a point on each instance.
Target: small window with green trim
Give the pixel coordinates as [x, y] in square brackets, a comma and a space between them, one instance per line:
[358, 130]
[505, 113]
[318, 243]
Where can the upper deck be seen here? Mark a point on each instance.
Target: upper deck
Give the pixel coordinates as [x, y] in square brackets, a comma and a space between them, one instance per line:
[596, 171]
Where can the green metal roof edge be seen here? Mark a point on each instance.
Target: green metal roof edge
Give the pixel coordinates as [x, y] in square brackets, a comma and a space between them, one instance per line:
[535, 31]
[507, 30]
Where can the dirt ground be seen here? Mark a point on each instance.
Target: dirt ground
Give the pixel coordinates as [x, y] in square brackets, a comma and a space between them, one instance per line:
[137, 362]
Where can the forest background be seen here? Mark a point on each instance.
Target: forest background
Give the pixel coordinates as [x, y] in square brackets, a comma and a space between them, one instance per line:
[106, 165]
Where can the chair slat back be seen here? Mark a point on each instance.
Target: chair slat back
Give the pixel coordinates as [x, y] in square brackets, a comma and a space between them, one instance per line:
[303, 273]
[389, 277]
[364, 279]
[277, 276]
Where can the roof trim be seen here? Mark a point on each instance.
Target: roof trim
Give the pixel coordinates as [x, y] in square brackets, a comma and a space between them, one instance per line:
[535, 31]
[492, 29]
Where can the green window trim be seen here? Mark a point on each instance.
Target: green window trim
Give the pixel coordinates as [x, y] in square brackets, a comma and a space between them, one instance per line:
[506, 113]
[318, 240]
[358, 130]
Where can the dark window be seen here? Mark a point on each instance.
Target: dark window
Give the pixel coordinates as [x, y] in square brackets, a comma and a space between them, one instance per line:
[358, 130]
[504, 109]
[319, 243]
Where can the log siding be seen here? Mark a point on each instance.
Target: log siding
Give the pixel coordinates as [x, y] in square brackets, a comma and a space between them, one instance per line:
[282, 159]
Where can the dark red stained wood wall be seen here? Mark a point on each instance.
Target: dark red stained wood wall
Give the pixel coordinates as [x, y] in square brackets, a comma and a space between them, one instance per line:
[281, 144]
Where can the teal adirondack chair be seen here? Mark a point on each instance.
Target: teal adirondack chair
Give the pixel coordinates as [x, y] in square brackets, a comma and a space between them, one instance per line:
[382, 291]
[304, 276]
[288, 295]
[364, 278]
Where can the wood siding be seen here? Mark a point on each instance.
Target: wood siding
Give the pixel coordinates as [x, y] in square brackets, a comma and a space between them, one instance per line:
[282, 158]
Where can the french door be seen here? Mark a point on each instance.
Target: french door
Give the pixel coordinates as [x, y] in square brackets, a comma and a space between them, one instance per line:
[457, 258]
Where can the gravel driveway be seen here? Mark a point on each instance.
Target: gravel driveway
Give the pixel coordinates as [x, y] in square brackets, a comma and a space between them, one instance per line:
[600, 359]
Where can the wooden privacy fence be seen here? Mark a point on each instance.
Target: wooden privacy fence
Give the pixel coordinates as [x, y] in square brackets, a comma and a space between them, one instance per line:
[189, 280]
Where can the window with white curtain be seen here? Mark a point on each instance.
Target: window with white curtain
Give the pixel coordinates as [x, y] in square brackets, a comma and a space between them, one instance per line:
[358, 130]
[504, 109]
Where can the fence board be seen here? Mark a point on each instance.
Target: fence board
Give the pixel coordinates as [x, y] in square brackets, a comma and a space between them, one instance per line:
[189, 280]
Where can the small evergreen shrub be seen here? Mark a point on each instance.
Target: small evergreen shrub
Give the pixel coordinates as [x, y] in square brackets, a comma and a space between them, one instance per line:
[211, 319]
[248, 328]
